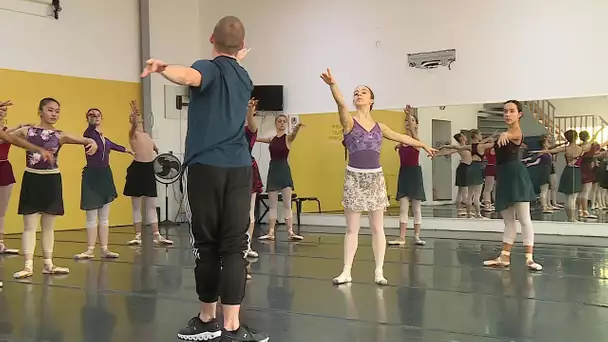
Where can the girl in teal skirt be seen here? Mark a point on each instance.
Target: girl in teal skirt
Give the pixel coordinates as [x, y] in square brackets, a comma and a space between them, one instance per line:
[462, 171]
[570, 183]
[410, 186]
[279, 177]
[514, 190]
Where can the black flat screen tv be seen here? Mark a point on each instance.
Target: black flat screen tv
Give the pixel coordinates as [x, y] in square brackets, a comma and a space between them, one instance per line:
[270, 97]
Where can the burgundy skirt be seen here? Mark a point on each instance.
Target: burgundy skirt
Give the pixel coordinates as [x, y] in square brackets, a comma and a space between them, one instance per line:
[6, 173]
[257, 184]
[588, 175]
[490, 171]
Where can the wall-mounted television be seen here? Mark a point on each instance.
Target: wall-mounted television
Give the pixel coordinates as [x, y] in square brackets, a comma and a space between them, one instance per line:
[270, 97]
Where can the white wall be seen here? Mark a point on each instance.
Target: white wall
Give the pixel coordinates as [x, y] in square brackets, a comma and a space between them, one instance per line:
[462, 118]
[94, 39]
[505, 49]
[597, 105]
[177, 37]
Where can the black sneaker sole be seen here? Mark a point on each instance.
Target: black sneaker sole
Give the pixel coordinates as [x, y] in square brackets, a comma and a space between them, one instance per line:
[205, 336]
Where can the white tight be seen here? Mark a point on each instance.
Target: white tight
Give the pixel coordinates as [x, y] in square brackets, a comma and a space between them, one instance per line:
[571, 201]
[474, 193]
[103, 215]
[488, 190]
[30, 223]
[5, 196]
[461, 196]
[252, 208]
[553, 186]
[404, 206]
[518, 212]
[586, 191]
[150, 209]
[273, 196]
[351, 239]
[544, 196]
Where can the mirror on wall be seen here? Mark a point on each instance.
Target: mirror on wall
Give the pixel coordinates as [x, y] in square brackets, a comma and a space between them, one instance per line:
[318, 157]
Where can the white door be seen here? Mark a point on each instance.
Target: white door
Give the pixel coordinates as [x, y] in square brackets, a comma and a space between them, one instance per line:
[442, 166]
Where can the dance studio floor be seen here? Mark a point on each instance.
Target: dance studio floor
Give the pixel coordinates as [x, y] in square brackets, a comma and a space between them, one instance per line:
[439, 292]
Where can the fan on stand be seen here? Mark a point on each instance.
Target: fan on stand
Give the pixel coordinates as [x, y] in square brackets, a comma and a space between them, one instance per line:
[167, 170]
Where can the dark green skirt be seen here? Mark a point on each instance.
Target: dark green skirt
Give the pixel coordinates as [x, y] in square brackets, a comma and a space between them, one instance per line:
[462, 177]
[97, 188]
[410, 183]
[571, 181]
[544, 174]
[279, 176]
[513, 185]
[475, 174]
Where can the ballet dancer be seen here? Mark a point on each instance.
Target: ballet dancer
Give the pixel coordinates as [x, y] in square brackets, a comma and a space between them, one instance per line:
[364, 184]
[410, 186]
[489, 173]
[462, 171]
[218, 180]
[7, 178]
[602, 178]
[590, 148]
[474, 172]
[279, 177]
[553, 183]
[514, 190]
[570, 183]
[97, 190]
[544, 161]
[251, 133]
[141, 183]
[41, 195]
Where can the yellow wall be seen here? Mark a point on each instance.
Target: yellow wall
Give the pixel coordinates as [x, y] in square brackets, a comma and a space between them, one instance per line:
[317, 158]
[76, 95]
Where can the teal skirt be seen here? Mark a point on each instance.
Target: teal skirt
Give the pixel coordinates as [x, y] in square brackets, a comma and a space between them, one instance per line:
[410, 183]
[544, 174]
[97, 188]
[475, 174]
[462, 177]
[571, 181]
[279, 176]
[513, 185]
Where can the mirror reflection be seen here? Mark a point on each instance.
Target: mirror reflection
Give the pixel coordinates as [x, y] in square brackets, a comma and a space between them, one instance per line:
[564, 152]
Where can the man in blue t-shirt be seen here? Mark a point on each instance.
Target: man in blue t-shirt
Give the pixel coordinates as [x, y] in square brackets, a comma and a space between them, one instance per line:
[218, 180]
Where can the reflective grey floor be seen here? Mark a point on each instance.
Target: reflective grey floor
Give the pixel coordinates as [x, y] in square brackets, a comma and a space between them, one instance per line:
[439, 292]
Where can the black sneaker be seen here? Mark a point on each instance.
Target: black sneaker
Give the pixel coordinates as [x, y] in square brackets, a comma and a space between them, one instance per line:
[244, 334]
[197, 330]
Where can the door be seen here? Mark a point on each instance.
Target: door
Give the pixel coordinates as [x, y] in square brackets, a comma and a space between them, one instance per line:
[442, 166]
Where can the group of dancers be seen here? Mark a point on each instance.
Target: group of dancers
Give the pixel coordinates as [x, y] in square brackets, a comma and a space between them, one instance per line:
[222, 179]
[42, 176]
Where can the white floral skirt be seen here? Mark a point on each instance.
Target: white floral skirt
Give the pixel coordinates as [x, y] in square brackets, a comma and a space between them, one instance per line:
[364, 190]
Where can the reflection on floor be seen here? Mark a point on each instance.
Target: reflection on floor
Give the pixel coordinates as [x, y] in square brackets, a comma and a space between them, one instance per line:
[449, 211]
[439, 292]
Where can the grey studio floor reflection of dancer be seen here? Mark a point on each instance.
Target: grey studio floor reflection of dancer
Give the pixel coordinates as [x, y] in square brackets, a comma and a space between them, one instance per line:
[514, 190]
[364, 184]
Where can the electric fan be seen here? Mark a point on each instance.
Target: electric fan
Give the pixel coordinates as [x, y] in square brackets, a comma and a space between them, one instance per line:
[167, 170]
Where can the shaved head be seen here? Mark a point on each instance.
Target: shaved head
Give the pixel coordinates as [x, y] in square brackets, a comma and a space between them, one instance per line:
[229, 35]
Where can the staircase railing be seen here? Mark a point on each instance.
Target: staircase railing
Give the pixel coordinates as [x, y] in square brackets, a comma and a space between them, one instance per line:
[544, 112]
[594, 124]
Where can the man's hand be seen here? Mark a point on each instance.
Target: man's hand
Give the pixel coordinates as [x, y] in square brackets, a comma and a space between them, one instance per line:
[153, 66]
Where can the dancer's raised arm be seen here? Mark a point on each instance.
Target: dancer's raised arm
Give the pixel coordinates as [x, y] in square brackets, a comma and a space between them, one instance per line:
[345, 118]
[405, 139]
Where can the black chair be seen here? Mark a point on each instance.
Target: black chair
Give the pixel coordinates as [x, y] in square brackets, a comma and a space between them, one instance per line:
[261, 198]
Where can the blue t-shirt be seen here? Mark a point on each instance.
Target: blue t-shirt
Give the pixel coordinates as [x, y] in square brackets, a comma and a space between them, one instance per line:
[217, 114]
